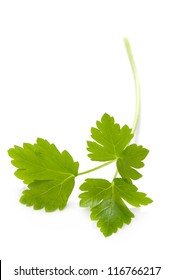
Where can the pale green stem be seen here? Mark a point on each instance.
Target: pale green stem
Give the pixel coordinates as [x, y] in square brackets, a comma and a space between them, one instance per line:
[137, 88]
[137, 84]
[96, 168]
[137, 109]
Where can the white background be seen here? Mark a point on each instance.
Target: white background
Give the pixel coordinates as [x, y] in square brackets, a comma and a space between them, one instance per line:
[62, 65]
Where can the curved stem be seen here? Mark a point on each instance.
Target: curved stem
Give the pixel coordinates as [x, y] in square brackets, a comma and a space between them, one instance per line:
[96, 168]
[137, 109]
[137, 84]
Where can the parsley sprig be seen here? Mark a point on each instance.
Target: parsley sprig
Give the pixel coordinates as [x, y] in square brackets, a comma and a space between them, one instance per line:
[50, 174]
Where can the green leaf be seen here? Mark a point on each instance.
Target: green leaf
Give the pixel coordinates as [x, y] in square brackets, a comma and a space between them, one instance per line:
[129, 193]
[49, 174]
[111, 214]
[130, 159]
[50, 195]
[106, 202]
[93, 191]
[109, 139]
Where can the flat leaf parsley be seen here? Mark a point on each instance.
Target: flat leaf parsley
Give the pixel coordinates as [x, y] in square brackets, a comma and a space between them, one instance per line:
[50, 174]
